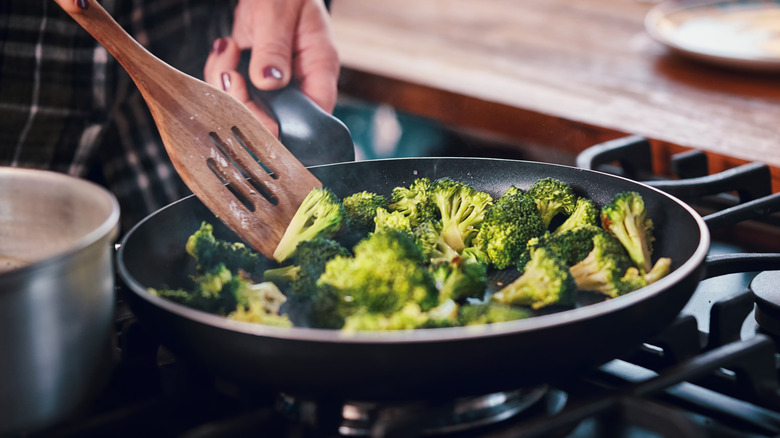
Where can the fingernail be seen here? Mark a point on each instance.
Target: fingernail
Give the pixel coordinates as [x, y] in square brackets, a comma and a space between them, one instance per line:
[82, 4]
[272, 72]
[225, 81]
[219, 45]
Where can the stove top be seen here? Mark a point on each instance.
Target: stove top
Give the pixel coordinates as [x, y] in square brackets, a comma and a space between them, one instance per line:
[712, 373]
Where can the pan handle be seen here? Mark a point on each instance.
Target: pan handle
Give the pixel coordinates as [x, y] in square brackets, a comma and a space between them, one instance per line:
[724, 264]
[311, 134]
[749, 210]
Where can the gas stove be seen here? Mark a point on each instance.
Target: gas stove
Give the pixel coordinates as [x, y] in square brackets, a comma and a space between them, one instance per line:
[713, 372]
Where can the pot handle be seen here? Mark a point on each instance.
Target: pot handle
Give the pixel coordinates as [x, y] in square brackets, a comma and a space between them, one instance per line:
[311, 134]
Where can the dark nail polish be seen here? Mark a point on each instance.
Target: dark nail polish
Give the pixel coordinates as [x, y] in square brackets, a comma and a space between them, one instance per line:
[225, 81]
[272, 72]
[219, 46]
[82, 4]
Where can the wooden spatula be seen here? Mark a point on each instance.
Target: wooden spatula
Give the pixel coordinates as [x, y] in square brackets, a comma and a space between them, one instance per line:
[229, 160]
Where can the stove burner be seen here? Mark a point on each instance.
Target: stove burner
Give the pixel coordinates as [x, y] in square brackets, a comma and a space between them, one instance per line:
[766, 289]
[361, 418]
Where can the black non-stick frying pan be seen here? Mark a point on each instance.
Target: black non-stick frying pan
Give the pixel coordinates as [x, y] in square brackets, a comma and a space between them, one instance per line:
[418, 363]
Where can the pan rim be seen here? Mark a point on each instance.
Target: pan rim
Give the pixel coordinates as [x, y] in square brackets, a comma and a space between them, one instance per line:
[536, 323]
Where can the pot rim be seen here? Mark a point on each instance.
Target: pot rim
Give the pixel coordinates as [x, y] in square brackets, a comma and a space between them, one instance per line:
[107, 229]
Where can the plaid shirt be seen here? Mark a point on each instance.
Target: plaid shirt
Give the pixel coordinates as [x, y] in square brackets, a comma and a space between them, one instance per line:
[66, 104]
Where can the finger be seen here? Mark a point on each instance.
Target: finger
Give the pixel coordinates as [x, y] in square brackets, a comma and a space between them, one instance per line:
[220, 71]
[224, 56]
[73, 6]
[272, 43]
[235, 85]
[317, 63]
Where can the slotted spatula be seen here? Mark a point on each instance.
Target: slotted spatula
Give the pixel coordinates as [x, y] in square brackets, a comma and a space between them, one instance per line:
[229, 160]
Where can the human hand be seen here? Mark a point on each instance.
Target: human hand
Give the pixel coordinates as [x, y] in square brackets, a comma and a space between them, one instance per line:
[288, 39]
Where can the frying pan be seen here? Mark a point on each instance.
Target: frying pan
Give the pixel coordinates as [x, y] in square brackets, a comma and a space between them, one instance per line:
[447, 362]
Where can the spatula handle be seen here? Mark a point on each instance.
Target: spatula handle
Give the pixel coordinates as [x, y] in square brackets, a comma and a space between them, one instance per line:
[134, 58]
[311, 134]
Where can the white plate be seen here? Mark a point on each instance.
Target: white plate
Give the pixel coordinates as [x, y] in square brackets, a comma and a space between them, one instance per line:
[743, 34]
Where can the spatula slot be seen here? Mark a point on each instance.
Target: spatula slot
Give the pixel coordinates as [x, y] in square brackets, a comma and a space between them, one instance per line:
[218, 172]
[256, 154]
[239, 172]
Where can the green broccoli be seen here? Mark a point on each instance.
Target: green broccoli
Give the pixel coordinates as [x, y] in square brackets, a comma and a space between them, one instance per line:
[507, 228]
[428, 236]
[385, 274]
[490, 312]
[260, 303]
[223, 292]
[659, 270]
[585, 214]
[552, 197]
[361, 210]
[545, 281]
[413, 201]
[321, 214]
[459, 279]
[386, 220]
[308, 263]
[601, 270]
[475, 254]
[210, 253]
[443, 315]
[571, 245]
[461, 209]
[626, 218]
[213, 292]
[410, 316]
[633, 279]
[255, 312]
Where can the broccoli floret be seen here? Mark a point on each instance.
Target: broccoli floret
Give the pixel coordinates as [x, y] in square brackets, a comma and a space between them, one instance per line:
[602, 269]
[210, 253]
[545, 281]
[221, 291]
[413, 201]
[321, 214]
[260, 303]
[214, 292]
[476, 255]
[461, 209]
[662, 267]
[411, 316]
[385, 274]
[428, 236]
[395, 220]
[282, 276]
[633, 279]
[585, 214]
[507, 228]
[257, 313]
[361, 210]
[571, 245]
[443, 315]
[459, 279]
[308, 263]
[552, 197]
[490, 312]
[625, 217]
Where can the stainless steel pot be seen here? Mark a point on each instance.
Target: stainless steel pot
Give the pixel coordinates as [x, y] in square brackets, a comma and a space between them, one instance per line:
[56, 295]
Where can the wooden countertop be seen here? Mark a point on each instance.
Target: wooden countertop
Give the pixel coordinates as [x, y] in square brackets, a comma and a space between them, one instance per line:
[560, 73]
